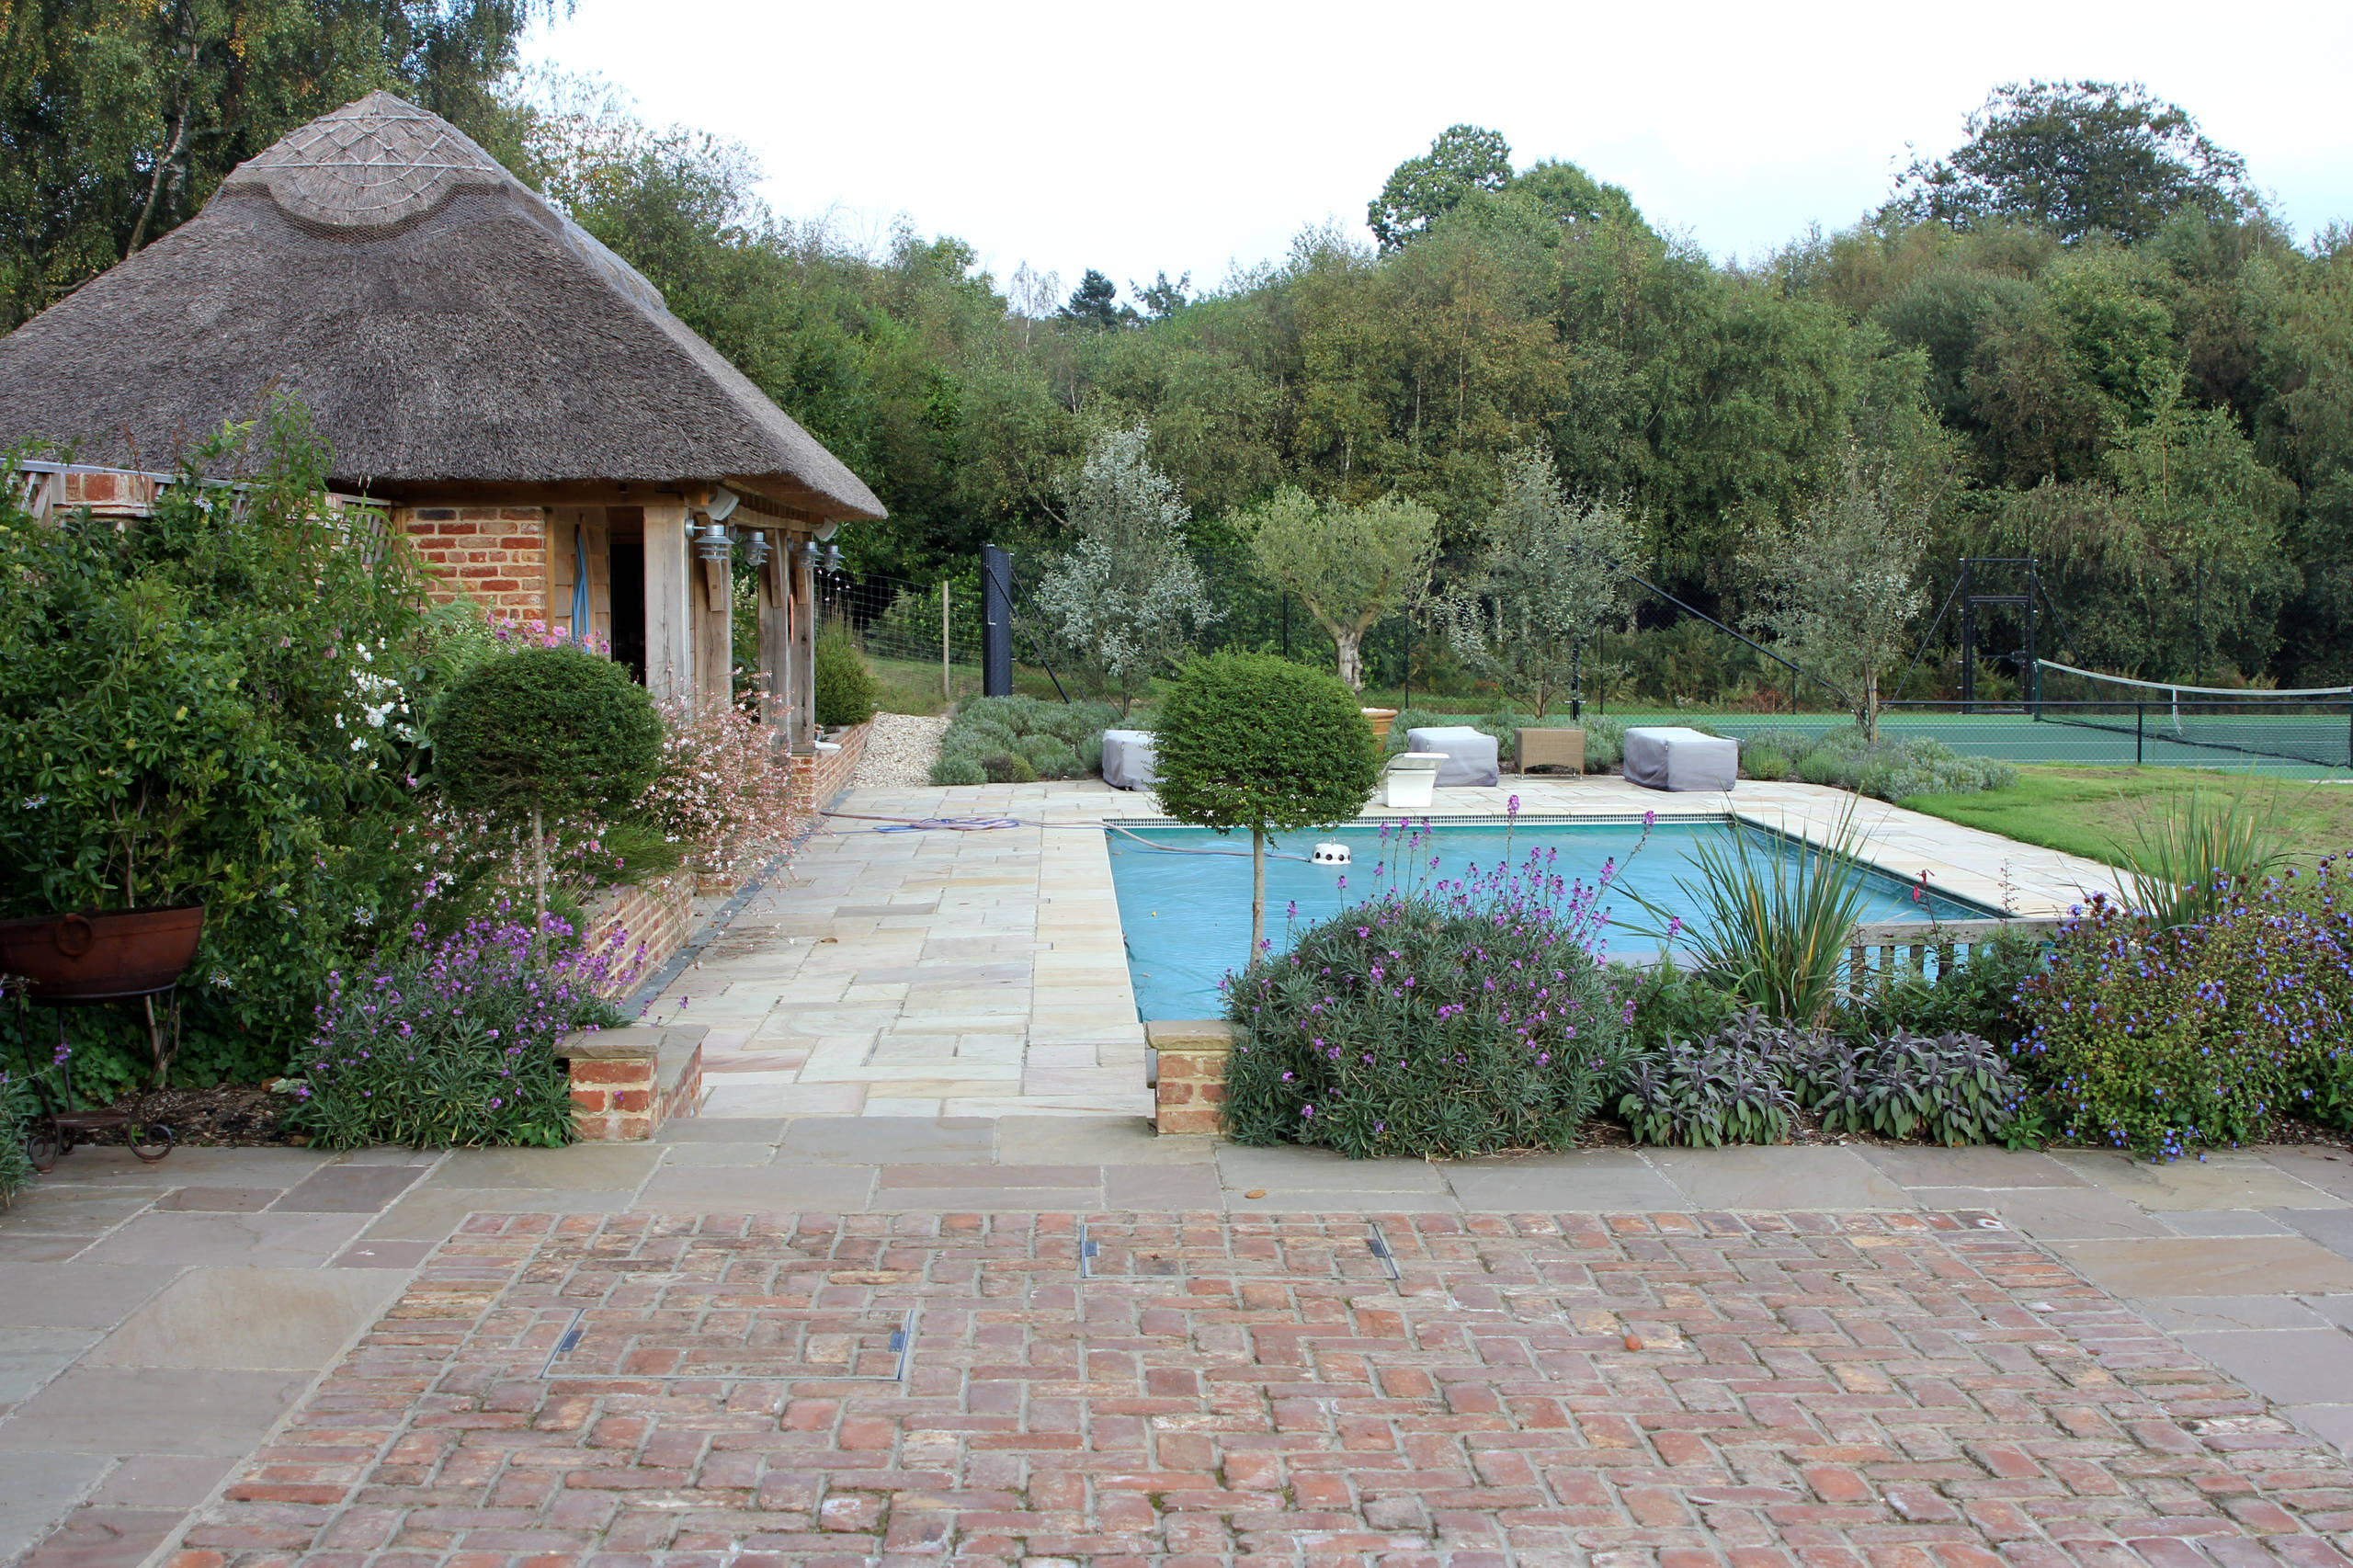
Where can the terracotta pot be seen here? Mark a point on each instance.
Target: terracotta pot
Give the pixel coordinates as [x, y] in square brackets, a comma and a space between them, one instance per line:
[1381, 718]
[100, 957]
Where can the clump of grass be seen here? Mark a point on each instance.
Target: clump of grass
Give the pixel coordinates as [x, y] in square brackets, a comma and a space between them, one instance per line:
[2196, 851]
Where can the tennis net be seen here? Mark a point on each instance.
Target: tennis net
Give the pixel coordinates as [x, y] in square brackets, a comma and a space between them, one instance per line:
[2313, 725]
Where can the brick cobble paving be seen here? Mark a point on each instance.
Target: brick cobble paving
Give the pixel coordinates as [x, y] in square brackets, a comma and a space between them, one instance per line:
[1901, 1391]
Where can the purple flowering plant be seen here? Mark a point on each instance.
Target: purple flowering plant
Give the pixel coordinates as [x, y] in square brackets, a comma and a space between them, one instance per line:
[2162, 1038]
[1442, 1015]
[451, 1041]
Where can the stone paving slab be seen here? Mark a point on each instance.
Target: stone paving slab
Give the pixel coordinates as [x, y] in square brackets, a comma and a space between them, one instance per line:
[1660, 1387]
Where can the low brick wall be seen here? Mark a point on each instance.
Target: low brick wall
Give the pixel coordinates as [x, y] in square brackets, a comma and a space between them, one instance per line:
[628, 1081]
[1191, 1089]
[657, 919]
[819, 775]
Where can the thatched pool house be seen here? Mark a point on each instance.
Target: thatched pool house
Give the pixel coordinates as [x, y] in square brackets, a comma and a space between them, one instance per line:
[550, 436]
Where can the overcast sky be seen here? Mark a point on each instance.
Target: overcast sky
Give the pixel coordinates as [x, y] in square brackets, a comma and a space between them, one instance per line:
[1137, 138]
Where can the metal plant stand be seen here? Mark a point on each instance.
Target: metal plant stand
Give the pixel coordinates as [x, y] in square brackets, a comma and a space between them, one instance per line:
[59, 1125]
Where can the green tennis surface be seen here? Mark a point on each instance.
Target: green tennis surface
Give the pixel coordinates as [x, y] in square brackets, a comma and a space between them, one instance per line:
[2289, 746]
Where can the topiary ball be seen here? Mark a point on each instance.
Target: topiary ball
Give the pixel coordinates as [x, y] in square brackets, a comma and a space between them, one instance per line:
[1250, 740]
[558, 728]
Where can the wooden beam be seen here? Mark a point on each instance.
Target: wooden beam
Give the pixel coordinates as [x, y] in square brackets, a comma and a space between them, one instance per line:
[776, 639]
[669, 625]
[805, 651]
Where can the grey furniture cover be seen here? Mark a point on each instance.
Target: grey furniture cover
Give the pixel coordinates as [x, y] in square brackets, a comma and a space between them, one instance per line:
[1681, 759]
[1470, 754]
[1128, 757]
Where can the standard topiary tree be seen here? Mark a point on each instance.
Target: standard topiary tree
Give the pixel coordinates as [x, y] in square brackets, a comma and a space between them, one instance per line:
[556, 732]
[1249, 740]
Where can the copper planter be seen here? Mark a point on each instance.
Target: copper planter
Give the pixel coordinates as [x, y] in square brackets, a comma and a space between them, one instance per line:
[73, 959]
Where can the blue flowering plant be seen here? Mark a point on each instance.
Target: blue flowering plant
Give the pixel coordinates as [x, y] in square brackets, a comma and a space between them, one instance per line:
[2161, 1039]
[1440, 1017]
[452, 1043]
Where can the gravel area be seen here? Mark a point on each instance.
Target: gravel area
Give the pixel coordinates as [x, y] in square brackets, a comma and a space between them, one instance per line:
[900, 750]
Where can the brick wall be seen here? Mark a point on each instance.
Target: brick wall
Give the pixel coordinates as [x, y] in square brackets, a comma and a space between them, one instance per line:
[657, 919]
[496, 555]
[627, 1081]
[1191, 1091]
[818, 776]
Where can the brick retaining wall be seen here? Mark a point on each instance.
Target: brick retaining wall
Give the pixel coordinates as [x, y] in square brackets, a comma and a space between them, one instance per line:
[818, 776]
[1190, 1094]
[657, 917]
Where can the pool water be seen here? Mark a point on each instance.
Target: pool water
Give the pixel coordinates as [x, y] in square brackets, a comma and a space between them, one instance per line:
[1187, 917]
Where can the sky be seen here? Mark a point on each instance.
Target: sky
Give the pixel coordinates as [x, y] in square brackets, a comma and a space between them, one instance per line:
[1201, 138]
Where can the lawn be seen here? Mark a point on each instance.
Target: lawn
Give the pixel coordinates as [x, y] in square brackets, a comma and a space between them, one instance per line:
[2089, 811]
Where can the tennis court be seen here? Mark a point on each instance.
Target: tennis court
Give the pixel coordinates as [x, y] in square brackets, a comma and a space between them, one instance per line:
[2278, 744]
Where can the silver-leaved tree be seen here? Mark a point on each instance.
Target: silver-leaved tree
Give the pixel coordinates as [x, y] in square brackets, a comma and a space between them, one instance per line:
[1841, 583]
[1127, 600]
[1544, 584]
[1349, 565]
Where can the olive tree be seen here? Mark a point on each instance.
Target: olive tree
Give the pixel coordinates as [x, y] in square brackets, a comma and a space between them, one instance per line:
[1128, 598]
[1840, 585]
[556, 732]
[1544, 583]
[1349, 565]
[1255, 741]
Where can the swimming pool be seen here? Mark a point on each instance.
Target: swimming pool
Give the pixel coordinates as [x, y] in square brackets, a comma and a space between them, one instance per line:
[1187, 917]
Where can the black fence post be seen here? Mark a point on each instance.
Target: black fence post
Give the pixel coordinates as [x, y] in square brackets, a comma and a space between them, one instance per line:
[996, 622]
[2139, 722]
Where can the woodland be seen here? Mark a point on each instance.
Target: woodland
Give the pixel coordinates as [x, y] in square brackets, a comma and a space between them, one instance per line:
[2078, 335]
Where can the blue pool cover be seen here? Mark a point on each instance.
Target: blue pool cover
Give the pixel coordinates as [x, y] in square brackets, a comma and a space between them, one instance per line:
[1188, 915]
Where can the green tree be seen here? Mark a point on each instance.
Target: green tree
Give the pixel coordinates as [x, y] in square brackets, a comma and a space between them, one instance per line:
[1547, 581]
[1840, 583]
[1095, 303]
[1127, 599]
[118, 119]
[1350, 566]
[556, 732]
[1462, 159]
[2082, 158]
[1255, 741]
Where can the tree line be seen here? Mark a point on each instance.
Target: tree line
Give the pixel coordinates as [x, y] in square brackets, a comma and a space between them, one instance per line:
[2079, 335]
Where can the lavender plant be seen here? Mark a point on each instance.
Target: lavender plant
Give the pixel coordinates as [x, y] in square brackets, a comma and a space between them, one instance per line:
[1439, 1017]
[452, 1043]
[2161, 1039]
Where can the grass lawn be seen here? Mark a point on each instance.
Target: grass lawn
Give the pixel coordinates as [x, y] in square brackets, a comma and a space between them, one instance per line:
[2088, 811]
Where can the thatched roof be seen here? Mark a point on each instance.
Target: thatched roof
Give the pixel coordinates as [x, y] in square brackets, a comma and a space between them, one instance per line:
[443, 323]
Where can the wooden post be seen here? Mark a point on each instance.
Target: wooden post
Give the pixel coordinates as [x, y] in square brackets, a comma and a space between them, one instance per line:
[669, 625]
[714, 602]
[804, 647]
[775, 634]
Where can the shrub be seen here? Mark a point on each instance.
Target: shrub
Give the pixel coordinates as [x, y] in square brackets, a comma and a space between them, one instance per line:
[1251, 740]
[554, 732]
[1728, 1089]
[724, 796]
[1452, 1021]
[993, 739]
[207, 705]
[1955, 1088]
[847, 692]
[1767, 764]
[452, 1043]
[1888, 771]
[954, 770]
[16, 1110]
[1978, 997]
[2158, 1040]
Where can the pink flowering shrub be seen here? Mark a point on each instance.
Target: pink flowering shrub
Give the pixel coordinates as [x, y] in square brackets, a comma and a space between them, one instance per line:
[724, 796]
[452, 1043]
[1458, 1017]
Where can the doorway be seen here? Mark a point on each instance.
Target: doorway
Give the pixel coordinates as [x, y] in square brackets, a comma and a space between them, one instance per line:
[628, 546]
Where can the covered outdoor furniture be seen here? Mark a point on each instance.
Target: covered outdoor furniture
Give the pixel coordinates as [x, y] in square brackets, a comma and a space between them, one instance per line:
[1681, 759]
[1128, 758]
[1470, 754]
[1410, 778]
[1550, 748]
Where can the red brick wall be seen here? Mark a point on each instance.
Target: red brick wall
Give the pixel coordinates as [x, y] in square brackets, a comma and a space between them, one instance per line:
[655, 918]
[818, 776]
[496, 555]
